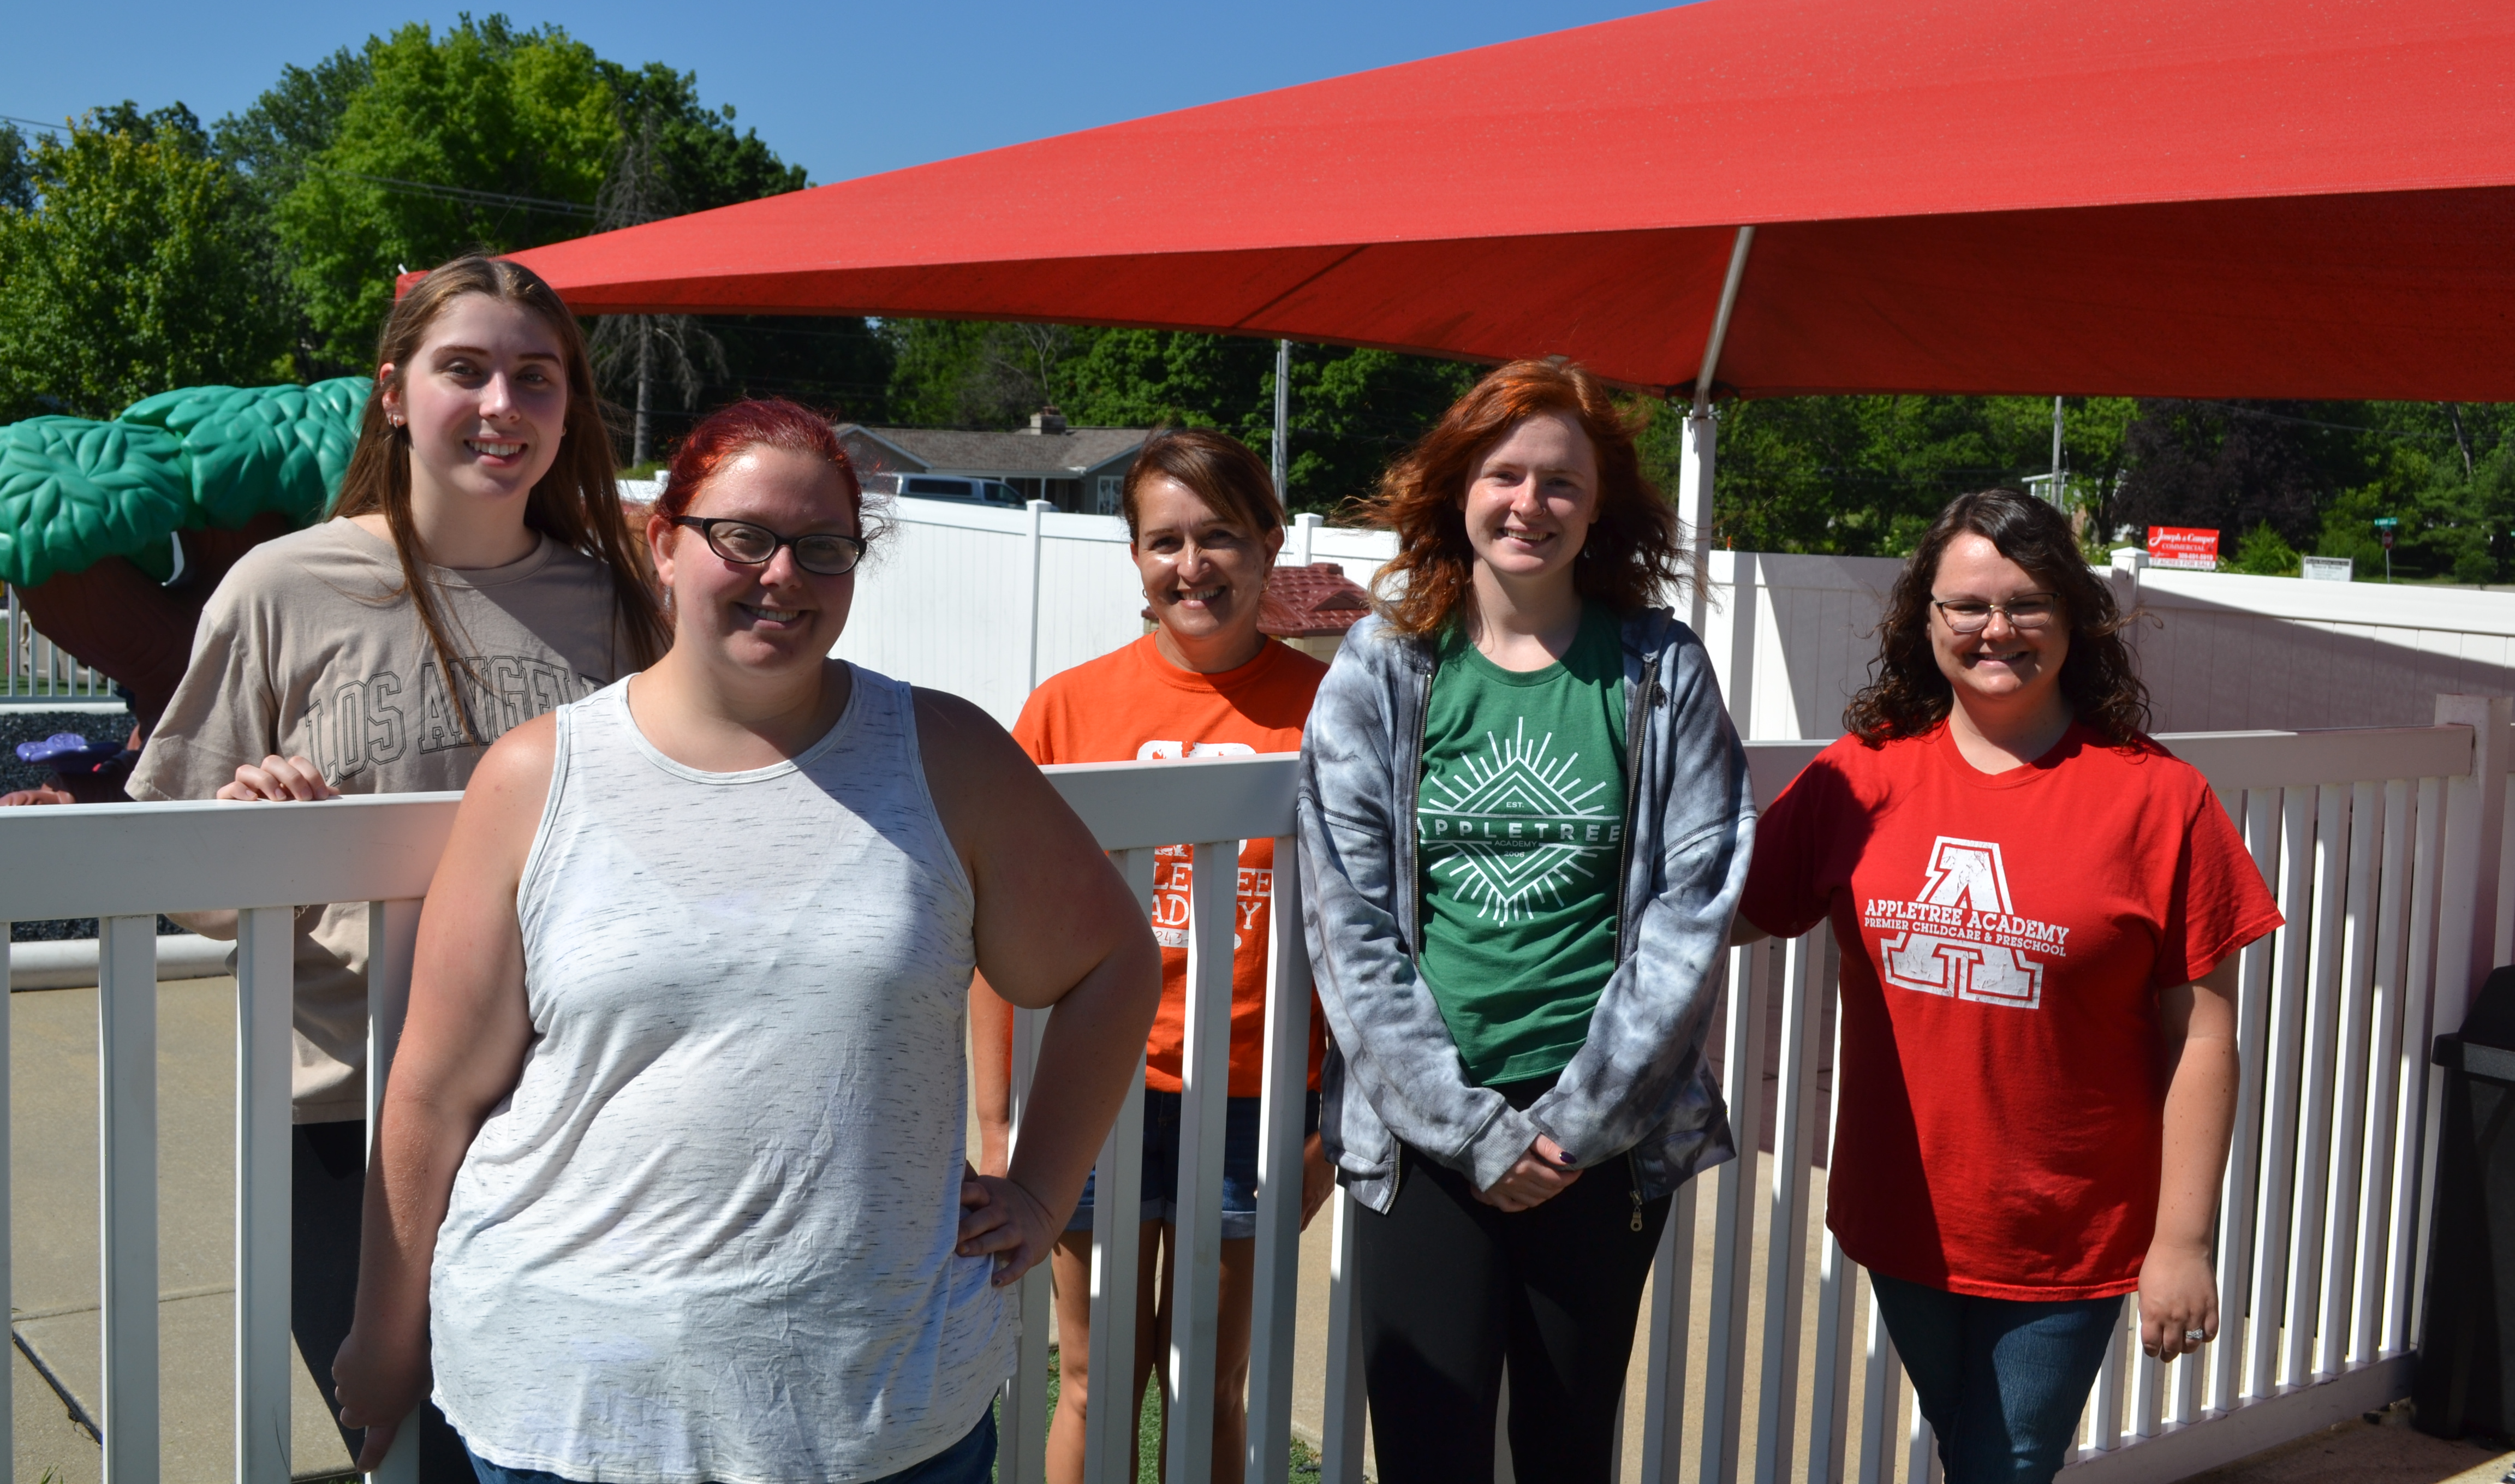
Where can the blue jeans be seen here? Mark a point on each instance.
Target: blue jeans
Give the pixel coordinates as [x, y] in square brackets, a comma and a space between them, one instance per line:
[970, 1460]
[2002, 1381]
[1159, 1181]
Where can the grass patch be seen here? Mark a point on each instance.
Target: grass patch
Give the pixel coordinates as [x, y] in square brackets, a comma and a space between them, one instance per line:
[1148, 1434]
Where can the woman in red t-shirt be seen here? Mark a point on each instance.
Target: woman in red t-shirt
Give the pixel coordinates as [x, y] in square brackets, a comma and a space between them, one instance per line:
[1204, 528]
[2038, 909]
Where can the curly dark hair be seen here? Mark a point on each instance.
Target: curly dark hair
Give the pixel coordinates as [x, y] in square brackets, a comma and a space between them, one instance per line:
[1907, 695]
[1635, 555]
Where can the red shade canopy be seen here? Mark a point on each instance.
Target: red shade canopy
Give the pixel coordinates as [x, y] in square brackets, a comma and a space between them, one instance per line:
[2171, 197]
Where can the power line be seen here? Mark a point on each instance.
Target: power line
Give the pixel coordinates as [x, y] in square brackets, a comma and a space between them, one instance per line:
[460, 193]
[399, 187]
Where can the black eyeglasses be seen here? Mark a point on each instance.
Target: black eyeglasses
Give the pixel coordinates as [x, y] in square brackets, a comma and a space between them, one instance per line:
[1970, 616]
[746, 544]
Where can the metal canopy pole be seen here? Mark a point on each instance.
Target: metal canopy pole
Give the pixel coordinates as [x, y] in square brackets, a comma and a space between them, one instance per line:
[1694, 478]
[1282, 411]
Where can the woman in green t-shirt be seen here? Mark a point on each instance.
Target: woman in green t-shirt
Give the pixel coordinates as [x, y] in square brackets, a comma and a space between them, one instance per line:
[1524, 823]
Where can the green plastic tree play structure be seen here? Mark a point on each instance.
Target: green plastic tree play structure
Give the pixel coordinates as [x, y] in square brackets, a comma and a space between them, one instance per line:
[73, 492]
[114, 533]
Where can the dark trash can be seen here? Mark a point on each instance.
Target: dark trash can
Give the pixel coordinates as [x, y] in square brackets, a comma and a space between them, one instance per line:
[2465, 1378]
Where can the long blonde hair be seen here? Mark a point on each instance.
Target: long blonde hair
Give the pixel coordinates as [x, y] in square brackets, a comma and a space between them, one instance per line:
[577, 504]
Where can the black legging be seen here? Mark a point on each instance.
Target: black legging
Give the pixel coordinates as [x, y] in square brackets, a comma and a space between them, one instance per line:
[329, 1190]
[1451, 1286]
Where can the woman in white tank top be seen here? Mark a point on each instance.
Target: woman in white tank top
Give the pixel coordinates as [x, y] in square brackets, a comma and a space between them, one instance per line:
[674, 1188]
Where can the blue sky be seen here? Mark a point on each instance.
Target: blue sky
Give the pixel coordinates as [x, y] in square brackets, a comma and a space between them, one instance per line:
[844, 89]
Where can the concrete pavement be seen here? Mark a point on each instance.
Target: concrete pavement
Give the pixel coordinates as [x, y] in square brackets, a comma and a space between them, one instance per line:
[54, 1245]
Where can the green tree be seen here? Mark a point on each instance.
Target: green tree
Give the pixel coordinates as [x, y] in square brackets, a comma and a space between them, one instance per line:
[17, 170]
[1351, 411]
[675, 155]
[292, 122]
[2264, 553]
[1865, 475]
[128, 266]
[488, 136]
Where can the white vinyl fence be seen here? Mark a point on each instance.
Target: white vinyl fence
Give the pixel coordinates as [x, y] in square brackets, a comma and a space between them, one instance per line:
[35, 668]
[2385, 848]
[987, 602]
[1792, 638]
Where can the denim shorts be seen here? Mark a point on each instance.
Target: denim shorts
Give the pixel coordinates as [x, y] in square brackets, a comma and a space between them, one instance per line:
[1162, 1161]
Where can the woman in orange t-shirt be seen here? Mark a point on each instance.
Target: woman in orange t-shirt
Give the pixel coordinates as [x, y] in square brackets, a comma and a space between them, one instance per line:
[1204, 528]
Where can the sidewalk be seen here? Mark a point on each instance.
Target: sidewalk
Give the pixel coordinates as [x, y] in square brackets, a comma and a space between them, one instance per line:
[54, 1248]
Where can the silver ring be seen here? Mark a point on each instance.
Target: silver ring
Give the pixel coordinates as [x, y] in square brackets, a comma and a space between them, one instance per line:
[2195, 1336]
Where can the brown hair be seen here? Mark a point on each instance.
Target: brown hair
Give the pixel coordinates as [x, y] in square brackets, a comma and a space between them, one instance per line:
[1633, 555]
[1907, 695]
[577, 504]
[1218, 467]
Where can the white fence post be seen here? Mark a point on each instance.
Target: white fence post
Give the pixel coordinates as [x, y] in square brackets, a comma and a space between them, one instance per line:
[266, 971]
[1205, 1071]
[1342, 1429]
[127, 1102]
[1021, 1455]
[8, 1276]
[1109, 1429]
[1794, 1105]
[1287, 1061]
[2474, 847]
[1742, 1073]
[1037, 510]
[392, 940]
[2475, 824]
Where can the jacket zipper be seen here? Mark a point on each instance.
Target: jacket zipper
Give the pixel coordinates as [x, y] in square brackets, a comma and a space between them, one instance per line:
[1408, 869]
[1635, 718]
[1633, 1174]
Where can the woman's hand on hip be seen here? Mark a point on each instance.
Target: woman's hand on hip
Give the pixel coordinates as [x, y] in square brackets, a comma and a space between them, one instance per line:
[379, 1380]
[278, 780]
[2178, 1298]
[999, 1219]
[1540, 1174]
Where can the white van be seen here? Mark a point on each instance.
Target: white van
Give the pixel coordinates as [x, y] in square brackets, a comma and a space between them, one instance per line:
[955, 487]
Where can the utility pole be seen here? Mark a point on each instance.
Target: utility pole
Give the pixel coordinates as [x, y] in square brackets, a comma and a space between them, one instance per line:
[1283, 406]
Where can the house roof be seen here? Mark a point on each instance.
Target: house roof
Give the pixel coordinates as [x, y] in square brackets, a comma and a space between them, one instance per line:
[1315, 601]
[1052, 455]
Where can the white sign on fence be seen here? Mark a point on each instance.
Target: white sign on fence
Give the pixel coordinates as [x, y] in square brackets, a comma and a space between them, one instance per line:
[2328, 569]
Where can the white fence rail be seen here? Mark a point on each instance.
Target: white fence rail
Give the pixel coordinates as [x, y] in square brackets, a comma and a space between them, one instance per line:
[2386, 849]
[33, 667]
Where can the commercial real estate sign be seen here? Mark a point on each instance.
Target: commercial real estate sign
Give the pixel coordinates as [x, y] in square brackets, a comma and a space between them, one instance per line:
[2176, 546]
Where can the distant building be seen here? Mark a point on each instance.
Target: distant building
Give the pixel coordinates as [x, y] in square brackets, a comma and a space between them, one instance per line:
[1079, 469]
[1306, 607]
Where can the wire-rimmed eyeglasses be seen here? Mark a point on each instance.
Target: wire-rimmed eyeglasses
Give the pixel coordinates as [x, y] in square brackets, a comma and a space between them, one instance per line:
[824, 554]
[1971, 615]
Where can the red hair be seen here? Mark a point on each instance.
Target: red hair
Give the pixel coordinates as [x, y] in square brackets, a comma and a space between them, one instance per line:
[725, 435]
[1632, 557]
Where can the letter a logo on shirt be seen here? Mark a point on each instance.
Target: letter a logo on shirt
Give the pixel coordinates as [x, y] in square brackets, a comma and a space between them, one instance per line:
[1960, 941]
